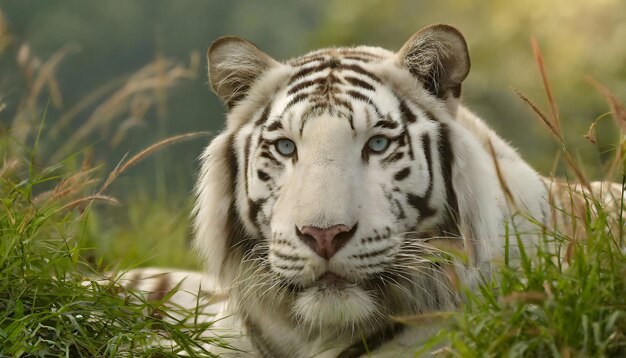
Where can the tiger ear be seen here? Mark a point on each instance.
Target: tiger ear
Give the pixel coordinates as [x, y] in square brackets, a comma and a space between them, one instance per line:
[437, 55]
[234, 65]
[217, 225]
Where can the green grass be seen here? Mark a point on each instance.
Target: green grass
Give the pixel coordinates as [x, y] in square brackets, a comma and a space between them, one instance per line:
[545, 307]
[50, 302]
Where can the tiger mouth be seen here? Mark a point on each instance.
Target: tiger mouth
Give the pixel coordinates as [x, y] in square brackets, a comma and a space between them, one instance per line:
[332, 279]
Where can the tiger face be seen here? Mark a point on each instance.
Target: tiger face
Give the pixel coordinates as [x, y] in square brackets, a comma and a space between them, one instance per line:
[333, 170]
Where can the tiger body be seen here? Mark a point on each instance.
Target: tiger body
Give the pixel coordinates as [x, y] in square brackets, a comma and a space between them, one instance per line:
[338, 176]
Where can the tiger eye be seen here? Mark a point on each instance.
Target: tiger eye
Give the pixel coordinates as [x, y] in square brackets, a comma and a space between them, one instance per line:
[378, 143]
[285, 147]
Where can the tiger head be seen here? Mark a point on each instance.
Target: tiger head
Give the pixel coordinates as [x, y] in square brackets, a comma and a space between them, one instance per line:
[333, 170]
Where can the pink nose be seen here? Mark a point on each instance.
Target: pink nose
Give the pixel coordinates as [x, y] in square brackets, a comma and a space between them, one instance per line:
[326, 242]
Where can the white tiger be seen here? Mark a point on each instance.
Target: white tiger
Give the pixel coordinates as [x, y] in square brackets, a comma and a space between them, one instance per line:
[320, 206]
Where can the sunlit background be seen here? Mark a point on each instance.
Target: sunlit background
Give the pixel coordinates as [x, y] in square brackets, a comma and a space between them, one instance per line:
[103, 79]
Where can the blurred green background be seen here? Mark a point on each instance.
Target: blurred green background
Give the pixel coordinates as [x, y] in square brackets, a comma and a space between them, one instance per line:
[118, 75]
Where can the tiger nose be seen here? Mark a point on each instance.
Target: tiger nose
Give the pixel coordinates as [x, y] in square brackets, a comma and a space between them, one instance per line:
[326, 242]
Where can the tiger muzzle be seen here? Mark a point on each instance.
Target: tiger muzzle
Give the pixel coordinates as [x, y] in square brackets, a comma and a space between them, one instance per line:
[326, 241]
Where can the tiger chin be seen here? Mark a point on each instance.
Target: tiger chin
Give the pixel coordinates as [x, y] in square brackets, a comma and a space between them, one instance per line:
[323, 205]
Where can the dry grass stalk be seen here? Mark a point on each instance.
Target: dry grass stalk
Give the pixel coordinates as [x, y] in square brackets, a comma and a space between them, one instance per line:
[570, 250]
[617, 108]
[10, 166]
[143, 82]
[535, 297]
[505, 187]
[138, 109]
[84, 103]
[578, 172]
[618, 160]
[39, 76]
[546, 84]
[9, 213]
[591, 133]
[554, 124]
[146, 152]
[555, 131]
[548, 290]
[422, 319]
[453, 277]
[89, 199]
[46, 75]
[619, 117]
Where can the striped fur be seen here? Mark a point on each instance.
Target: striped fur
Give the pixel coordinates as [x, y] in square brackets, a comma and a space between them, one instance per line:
[435, 183]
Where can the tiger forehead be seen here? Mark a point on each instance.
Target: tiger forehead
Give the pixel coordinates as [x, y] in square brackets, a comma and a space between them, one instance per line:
[361, 53]
[331, 82]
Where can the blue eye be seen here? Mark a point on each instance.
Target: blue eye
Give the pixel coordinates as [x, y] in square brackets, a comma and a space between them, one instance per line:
[285, 147]
[378, 143]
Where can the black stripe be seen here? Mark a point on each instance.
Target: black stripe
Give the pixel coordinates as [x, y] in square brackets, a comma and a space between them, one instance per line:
[407, 115]
[264, 116]
[298, 62]
[359, 83]
[360, 70]
[298, 98]
[431, 116]
[263, 176]
[447, 160]
[304, 84]
[306, 71]
[268, 155]
[402, 174]
[365, 154]
[275, 125]
[351, 121]
[401, 214]
[420, 204]
[286, 257]
[371, 254]
[407, 138]
[159, 292]
[235, 233]
[386, 123]
[393, 157]
[429, 164]
[246, 161]
[358, 95]
[253, 210]
[351, 52]
[289, 268]
[342, 103]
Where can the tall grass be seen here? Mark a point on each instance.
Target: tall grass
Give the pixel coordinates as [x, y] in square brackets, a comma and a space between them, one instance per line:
[53, 301]
[569, 302]
[46, 309]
